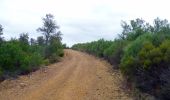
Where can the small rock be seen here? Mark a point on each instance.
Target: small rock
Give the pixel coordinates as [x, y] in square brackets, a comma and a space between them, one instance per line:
[23, 85]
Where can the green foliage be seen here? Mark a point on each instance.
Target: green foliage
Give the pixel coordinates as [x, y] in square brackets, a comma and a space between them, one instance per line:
[1, 30]
[65, 46]
[1, 74]
[10, 53]
[143, 61]
[142, 53]
[53, 48]
[96, 48]
[40, 41]
[18, 56]
[165, 49]
[24, 38]
[114, 53]
[49, 27]
[1, 33]
[15, 60]
[46, 62]
[33, 42]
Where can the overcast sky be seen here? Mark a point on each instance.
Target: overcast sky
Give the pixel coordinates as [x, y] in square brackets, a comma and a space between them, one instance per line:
[79, 20]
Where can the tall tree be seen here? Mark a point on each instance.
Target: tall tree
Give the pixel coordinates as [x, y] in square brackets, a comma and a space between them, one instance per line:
[40, 40]
[1, 30]
[1, 33]
[160, 24]
[24, 38]
[126, 30]
[57, 36]
[137, 24]
[49, 27]
[33, 41]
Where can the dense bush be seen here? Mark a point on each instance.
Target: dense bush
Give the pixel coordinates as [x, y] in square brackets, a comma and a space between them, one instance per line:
[21, 56]
[142, 52]
[114, 53]
[96, 48]
[14, 60]
[110, 50]
[145, 65]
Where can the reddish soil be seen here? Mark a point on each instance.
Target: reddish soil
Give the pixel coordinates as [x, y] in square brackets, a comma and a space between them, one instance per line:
[78, 76]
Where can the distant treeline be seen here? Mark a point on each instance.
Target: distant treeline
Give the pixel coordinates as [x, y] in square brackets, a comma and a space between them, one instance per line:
[23, 55]
[142, 53]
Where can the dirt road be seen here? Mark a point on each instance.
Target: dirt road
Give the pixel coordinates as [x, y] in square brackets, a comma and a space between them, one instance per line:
[78, 76]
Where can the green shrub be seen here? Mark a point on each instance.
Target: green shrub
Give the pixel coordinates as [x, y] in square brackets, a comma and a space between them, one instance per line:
[143, 63]
[10, 55]
[1, 74]
[15, 60]
[114, 53]
[46, 62]
[21, 56]
[60, 52]
[53, 58]
[128, 66]
[142, 52]
[165, 48]
[96, 48]
[30, 63]
[35, 60]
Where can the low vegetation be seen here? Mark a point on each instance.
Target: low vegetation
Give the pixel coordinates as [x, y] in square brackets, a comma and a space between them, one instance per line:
[23, 55]
[142, 53]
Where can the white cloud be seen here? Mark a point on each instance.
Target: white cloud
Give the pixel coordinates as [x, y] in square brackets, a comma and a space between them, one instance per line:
[80, 20]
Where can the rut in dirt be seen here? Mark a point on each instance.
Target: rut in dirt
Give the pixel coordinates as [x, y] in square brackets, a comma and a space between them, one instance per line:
[78, 76]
